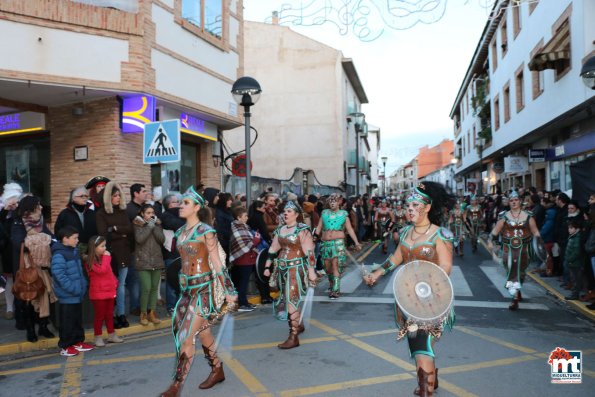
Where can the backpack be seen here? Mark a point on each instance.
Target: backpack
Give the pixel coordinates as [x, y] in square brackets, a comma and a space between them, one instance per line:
[27, 285]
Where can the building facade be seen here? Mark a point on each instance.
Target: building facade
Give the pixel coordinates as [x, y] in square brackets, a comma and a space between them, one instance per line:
[302, 117]
[84, 76]
[522, 115]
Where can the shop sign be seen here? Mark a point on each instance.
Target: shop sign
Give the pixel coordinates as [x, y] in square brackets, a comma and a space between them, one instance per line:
[536, 155]
[515, 164]
[136, 112]
[192, 123]
[15, 123]
[559, 151]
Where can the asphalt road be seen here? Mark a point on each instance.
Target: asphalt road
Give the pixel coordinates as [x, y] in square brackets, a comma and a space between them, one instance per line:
[348, 349]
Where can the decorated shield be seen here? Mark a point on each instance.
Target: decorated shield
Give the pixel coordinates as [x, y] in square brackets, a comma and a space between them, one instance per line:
[261, 261]
[539, 249]
[423, 292]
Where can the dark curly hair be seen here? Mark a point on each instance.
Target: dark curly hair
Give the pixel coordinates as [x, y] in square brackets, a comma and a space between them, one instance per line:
[440, 199]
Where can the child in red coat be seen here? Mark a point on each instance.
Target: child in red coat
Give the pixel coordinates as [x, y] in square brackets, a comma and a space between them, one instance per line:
[102, 289]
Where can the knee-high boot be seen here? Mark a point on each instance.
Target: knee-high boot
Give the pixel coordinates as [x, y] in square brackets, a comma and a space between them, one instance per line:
[216, 375]
[294, 329]
[417, 389]
[182, 369]
[423, 380]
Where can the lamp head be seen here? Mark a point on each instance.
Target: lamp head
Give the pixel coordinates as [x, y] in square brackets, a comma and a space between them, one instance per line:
[358, 120]
[246, 91]
[588, 73]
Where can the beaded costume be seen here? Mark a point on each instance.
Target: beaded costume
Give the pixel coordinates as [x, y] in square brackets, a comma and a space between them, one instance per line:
[331, 249]
[475, 219]
[516, 241]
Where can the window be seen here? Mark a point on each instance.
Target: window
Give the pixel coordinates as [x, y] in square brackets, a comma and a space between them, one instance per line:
[516, 19]
[467, 102]
[464, 151]
[494, 55]
[474, 137]
[519, 89]
[496, 113]
[532, 5]
[506, 98]
[562, 66]
[468, 141]
[536, 75]
[503, 36]
[207, 15]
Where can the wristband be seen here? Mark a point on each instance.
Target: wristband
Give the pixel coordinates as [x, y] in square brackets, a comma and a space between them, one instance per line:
[272, 255]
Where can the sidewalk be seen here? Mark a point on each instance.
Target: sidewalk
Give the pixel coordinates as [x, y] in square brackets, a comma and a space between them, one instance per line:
[13, 341]
[552, 286]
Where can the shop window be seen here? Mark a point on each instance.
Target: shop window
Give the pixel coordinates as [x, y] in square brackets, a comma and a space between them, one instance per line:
[180, 175]
[207, 15]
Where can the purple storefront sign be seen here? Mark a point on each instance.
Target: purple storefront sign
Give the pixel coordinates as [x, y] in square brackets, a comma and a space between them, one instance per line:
[192, 123]
[10, 122]
[136, 112]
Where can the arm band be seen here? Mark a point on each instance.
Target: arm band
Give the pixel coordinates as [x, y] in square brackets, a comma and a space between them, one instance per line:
[273, 255]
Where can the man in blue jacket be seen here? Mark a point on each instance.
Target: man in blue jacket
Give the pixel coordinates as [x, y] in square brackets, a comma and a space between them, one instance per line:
[70, 286]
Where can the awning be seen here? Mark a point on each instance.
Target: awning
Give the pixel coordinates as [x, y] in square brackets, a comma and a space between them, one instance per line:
[557, 50]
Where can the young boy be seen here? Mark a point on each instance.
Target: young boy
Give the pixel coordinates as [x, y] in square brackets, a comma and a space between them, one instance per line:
[70, 286]
[243, 255]
[575, 257]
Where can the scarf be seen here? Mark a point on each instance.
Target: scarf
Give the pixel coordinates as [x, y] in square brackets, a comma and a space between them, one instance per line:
[241, 240]
[33, 223]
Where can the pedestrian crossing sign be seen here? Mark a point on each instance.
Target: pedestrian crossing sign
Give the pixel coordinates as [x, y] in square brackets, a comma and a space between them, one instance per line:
[161, 142]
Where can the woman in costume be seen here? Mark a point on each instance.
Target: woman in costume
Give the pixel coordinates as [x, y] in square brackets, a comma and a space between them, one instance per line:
[400, 220]
[383, 223]
[292, 250]
[457, 227]
[424, 240]
[204, 286]
[517, 228]
[473, 218]
[333, 223]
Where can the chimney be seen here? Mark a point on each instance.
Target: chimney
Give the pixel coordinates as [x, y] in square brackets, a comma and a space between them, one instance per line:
[275, 18]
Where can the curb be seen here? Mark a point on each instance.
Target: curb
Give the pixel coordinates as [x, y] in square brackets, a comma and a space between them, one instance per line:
[577, 305]
[47, 344]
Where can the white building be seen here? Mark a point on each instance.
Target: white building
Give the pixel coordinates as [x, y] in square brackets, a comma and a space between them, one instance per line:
[444, 176]
[531, 53]
[308, 91]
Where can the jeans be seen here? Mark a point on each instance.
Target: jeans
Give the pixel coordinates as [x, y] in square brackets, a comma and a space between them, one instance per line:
[171, 298]
[121, 292]
[149, 282]
[133, 286]
[242, 275]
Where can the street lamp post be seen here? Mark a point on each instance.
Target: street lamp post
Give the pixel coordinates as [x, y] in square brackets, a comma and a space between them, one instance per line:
[358, 125]
[246, 92]
[384, 158]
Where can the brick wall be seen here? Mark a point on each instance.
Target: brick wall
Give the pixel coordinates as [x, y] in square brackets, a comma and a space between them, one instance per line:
[111, 153]
[210, 173]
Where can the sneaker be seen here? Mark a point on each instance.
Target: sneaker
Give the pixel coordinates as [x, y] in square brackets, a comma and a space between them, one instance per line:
[69, 352]
[246, 308]
[83, 347]
[99, 342]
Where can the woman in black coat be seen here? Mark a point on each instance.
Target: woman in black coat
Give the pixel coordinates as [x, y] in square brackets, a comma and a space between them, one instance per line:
[223, 220]
[79, 213]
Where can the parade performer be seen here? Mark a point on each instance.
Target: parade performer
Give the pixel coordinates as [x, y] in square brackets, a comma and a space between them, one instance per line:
[473, 218]
[457, 227]
[517, 228]
[423, 240]
[204, 286]
[383, 224]
[292, 250]
[332, 224]
[400, 221]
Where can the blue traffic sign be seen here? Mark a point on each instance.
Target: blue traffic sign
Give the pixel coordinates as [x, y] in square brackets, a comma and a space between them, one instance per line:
[162, 142]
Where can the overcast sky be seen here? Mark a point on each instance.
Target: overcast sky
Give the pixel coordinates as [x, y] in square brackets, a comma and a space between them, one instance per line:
[411, 76]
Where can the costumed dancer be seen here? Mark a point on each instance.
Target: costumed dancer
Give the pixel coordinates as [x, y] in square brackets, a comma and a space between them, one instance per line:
[292, 250]
[457, 226]
[400, 221]
[423, 240]
[517, 228]
[332, 224]
[383, 223]
[204, 286]
[473, 217]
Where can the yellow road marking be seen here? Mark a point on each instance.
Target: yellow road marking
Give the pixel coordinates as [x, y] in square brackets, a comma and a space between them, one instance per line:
[381, 353]
[374, 333]
[486, 364]
[454, 389]
[364, 256]
[590, 373]
[325, 328]
[274, 344]
[305, 391]
[26, 359]
[30, 369]
[71, 383]
[245, 376]
[496, 340]
[130, 359]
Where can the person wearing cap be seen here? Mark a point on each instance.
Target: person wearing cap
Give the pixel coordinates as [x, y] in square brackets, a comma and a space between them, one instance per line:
[95, 186]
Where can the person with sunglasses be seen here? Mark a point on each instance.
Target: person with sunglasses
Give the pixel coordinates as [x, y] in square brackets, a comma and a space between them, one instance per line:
[79, 213]
[517, 228]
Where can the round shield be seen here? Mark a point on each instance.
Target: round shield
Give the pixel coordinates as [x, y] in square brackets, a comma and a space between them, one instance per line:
[261, 261]
[539, 249]
[423, 292]
[171, 274]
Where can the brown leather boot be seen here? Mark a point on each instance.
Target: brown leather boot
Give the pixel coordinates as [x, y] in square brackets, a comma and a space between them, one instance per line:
[417, 392]
[424, 383]
[175, 389]
[301, 328]
[216, 375]
[291, 342]
[152, 317]
[143, 319]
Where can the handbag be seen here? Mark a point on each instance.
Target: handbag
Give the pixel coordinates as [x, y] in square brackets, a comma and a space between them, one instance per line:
[28, 285]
